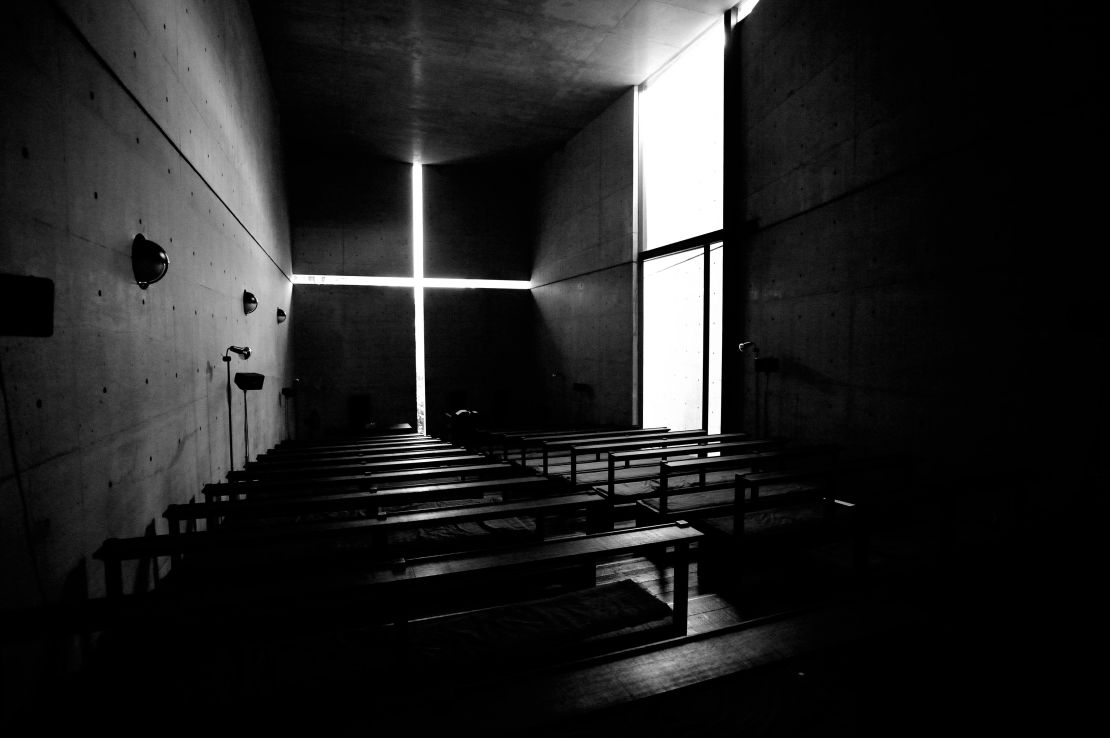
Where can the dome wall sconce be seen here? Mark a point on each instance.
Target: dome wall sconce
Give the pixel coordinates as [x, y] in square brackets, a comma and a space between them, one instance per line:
[250, 303]
[281, 316]
[149, 261]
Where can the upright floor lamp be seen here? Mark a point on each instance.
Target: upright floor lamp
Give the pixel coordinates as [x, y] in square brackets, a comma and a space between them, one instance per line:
[247, 381]
[244, 353]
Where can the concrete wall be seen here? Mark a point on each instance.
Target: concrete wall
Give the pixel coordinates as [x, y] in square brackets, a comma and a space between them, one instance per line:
[584, 275]
[356, 359]
[913, 190]
[121, 118]
[351, 217]
[355, 345]
[478, 357]
[479, 221]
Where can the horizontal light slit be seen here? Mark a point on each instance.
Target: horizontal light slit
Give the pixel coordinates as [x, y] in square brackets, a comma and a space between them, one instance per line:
[491, 284]
[410, 282]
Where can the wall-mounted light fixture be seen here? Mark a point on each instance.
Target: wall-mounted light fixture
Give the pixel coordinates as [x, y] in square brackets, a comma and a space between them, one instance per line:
[250, 303]
[244, 353]
[281, 316]
[149, 261]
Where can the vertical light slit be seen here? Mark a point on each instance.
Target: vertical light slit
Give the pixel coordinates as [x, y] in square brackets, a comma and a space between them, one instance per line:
[418, 291]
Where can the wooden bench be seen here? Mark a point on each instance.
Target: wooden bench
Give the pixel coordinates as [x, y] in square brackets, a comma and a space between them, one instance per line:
[357, 452]
[398, 584]
[756, 461]
[310, 471]
[548, 443]
[293, 543]
[697, 450]
[328, 462]
[549, 448]
[680, 438]
[353, 443]
[526, 442]
[811, 510]
[354, 438]
[495, 440]
[366, 480]
[368, 501]
[507, 439]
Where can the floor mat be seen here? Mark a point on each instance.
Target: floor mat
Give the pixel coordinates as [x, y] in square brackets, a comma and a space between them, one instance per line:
[521, 633]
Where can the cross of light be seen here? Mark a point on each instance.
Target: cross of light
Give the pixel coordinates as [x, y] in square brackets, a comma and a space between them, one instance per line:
[417, 282]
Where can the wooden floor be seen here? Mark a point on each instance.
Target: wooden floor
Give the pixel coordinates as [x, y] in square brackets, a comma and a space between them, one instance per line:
[923, 646]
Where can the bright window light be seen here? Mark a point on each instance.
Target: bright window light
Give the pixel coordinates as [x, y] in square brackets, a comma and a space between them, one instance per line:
[744, 9]
[410, 282]
[340, 279]
[681, 134]
[417, 283]
[418, 293]
[490, 284]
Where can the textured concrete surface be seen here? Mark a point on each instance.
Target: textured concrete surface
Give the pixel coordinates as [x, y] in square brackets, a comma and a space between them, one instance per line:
[354, 217]
[356, 358]
[444, 82]
[159, 125]
[479, 221]
[351, 216]
[478, 357]
[915, 226]
[584, 277]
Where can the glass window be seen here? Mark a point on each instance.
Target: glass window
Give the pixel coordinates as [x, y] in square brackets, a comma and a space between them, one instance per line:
[673, 321]
[681, 127]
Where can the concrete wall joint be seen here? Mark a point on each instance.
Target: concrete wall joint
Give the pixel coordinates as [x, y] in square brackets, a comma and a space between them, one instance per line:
[585, 274]
[84, 40]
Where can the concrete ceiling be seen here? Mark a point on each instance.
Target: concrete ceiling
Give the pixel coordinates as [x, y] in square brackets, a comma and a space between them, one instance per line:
[443, 81]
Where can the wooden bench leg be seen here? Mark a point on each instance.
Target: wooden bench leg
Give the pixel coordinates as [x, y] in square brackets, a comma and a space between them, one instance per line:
[681, 592]
[664, 485]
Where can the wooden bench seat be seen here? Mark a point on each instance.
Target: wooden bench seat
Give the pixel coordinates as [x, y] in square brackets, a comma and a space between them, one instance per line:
[304, 471]
[294, 543]
[694, 451]
[758, 461]
[500, 442]
[550, 450]
[507, 439]
[366, 480]
[697, 504]
[399, 584]
[360, 452]
[675, 438]
[340, 462]
[808, 510]
[365, 503]
[353, 441]
[524, 443]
